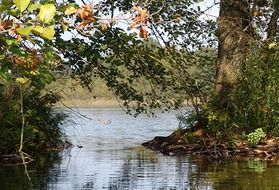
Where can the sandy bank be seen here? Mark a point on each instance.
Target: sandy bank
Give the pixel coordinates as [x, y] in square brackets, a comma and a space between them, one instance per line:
[89, 103]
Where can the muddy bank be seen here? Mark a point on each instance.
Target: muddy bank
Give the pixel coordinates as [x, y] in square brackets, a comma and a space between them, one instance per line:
[183, 142]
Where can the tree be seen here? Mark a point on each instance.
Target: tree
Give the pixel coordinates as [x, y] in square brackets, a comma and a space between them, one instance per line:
[234, 29]
[247, 33]
[112, 52]
[238, 26]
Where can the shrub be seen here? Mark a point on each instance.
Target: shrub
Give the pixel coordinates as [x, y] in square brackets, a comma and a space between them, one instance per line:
[42, 121]
[255, 137]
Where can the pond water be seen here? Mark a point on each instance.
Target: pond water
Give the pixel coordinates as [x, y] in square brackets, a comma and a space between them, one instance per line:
[112, 158]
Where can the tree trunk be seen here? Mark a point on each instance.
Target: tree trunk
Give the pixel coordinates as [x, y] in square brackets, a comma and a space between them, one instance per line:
[233, 35]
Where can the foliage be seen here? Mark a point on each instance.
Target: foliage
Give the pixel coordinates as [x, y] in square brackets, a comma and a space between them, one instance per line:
[158, 60]
[253, 102]
[255, 137]
[27, 60]
[33, 49]
[255, 97]
[43, 123]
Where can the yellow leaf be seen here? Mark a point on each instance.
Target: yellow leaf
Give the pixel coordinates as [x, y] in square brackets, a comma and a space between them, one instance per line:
[47, 12]
[48, 33]
[70, 10]
[22, 80]
[22, 4]
[38, 30]
[272, 45]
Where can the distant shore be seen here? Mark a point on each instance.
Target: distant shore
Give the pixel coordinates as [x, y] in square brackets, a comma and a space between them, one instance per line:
[95, 103]
[90, 103]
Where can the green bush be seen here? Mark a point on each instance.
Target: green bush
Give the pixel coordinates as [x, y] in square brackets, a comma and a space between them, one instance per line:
[255, 137]
[42, 121]
[254, 101]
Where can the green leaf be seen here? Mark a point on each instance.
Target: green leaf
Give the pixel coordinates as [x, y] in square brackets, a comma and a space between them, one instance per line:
[70, 10]
[22, 80]
[47, 12]
[5, 5]
[33, 7]
[14, 12]
[10, 42]
[48, 33]
[2, 56]
[22, 4]
[4, 75]
[24, 31]
[18, 51]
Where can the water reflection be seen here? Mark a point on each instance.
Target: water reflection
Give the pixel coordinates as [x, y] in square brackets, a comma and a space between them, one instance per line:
[12, 177]
[111, 158]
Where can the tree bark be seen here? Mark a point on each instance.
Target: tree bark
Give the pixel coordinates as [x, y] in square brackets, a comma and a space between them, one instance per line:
[234, 27]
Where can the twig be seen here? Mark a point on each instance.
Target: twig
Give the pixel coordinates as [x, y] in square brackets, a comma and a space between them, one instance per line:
[22, 119]
[25, 165]
[22, 154]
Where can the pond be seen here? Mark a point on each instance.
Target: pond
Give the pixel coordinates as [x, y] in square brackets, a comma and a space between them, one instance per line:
[111, 158]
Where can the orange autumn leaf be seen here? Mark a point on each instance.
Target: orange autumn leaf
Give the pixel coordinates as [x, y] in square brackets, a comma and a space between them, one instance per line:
[86, 13]
[4, 25]
[141, 17]
[34, 60]
[18, 60]
[143, 33]
[104, 26]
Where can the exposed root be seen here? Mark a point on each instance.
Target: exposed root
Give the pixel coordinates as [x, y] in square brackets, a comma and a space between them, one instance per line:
[209, 146]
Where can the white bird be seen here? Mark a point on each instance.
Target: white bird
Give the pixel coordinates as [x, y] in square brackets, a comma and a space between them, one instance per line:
[105, 122]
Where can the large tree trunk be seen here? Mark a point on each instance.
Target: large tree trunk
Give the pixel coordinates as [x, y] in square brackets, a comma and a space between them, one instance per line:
[233, 34]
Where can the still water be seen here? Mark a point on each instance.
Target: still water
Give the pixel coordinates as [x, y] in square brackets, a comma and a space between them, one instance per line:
[112, 158]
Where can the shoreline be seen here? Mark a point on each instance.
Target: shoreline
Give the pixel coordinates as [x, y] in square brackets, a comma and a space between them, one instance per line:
[96, 103]
[176, 145]
[90, 103]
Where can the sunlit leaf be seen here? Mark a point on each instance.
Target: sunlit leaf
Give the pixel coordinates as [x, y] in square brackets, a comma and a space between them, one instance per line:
[70, 10]
[47, 12]
[24, 31]
[33, 7]
[22, 80]
[22, 4]
[38, 30]
[86, 13]
[15, 12]
[48, 33]
[10, 41]
[272, 45]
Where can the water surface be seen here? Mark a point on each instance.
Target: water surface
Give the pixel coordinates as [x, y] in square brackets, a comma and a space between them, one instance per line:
[112, 158]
